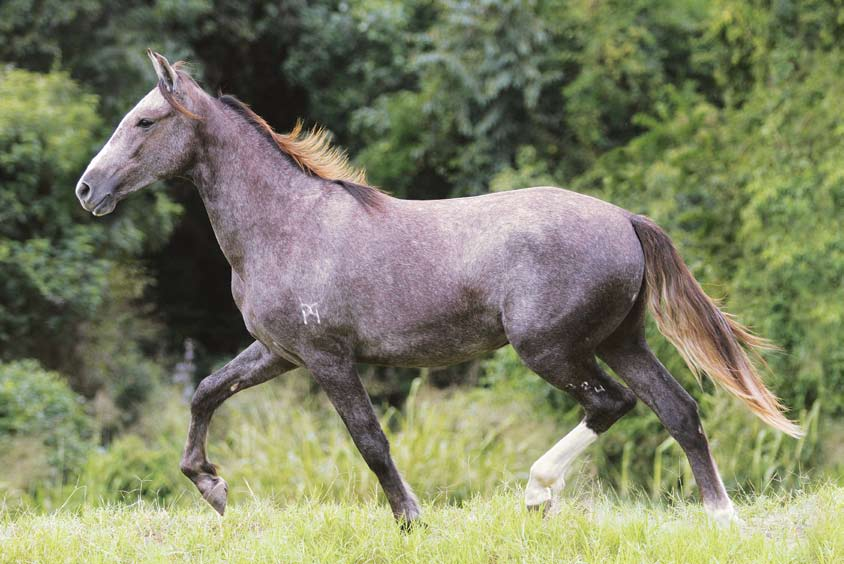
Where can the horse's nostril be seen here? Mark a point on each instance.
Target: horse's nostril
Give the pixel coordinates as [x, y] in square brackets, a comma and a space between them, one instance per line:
[82, 191]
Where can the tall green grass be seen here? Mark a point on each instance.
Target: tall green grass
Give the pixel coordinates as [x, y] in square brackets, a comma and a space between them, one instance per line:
[283, 442]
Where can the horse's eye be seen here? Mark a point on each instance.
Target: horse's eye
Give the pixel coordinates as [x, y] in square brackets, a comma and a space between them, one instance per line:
[145, 123]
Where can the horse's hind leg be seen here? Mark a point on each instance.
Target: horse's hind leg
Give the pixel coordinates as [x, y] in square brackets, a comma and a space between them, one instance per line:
[253, 366]
[603, 399]
[631, 358]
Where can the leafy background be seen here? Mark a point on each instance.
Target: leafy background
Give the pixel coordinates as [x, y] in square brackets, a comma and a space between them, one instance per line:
[720, 119]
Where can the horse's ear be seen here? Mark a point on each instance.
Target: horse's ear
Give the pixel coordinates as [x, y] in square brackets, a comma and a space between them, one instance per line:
[165, 72]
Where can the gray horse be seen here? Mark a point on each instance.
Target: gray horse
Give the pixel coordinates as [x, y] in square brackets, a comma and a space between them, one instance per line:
[329, 272]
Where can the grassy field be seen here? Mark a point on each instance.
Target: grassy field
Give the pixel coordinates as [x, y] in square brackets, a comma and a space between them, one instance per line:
[300, 492]
[806, 527]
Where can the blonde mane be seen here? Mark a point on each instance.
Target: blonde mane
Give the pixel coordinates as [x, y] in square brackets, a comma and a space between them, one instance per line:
[311, 150]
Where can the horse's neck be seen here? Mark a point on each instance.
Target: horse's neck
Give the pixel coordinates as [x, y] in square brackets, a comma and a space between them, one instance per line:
[249, 190]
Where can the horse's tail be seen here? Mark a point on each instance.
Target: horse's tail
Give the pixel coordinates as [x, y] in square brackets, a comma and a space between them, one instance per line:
[710, 340]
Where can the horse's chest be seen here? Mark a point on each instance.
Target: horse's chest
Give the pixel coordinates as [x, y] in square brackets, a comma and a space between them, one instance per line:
[250, 304]
[266, 319]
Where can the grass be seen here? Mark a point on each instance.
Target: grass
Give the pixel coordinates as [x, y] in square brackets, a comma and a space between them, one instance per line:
[300, 492]
[282, 442]
[803, 527]
[285, 442]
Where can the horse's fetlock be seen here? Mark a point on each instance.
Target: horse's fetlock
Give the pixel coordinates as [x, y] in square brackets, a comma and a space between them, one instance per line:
[192, 468]
[188, 469]
[541, 475]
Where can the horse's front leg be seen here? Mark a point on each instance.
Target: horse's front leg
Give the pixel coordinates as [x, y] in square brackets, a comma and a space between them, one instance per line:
[340, 381]
[253, 366]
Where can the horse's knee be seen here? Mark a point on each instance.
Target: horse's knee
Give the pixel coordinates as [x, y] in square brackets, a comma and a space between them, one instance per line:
[206, 396]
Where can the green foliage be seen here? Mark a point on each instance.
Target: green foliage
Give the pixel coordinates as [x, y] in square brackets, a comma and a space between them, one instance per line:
[372, 58]
[790, 229]
[64, 275]
[494, 77]
[130, 470]
[751, 195]
[122, 372]
[628, 53]
[485, 71]
[45, 434]
[85, 38]
[50, 262]
[529, 170]
[32, 32]
[747, 42]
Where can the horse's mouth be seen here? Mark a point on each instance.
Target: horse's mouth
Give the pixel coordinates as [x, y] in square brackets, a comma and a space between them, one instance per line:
[105, 206]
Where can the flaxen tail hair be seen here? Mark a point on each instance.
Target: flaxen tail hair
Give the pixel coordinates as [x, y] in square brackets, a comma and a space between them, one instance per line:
[711, 341]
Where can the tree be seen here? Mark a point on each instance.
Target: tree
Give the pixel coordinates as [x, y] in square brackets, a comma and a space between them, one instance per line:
[63, 272]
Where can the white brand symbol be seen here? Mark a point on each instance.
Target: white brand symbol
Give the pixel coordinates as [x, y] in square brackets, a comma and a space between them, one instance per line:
[310, 310]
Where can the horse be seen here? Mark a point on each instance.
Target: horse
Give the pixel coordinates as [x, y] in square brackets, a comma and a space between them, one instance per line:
[328, 272]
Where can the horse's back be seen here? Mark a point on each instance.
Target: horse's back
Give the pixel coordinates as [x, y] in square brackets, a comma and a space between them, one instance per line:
[533, 232]
[544, 210]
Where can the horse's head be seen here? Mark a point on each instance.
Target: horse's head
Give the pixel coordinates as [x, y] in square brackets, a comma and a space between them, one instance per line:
[154, 141]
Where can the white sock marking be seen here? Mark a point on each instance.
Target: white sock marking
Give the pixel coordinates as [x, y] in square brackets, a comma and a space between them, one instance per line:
[547, 475]
[723, 513]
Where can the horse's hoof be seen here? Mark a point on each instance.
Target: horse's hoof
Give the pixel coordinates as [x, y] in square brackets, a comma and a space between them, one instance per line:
[409, 516]
[726, 517]
[537, 497]
[412, 525]
[215, 492]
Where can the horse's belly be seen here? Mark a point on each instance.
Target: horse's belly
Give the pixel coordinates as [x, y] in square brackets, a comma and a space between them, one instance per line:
[426, 357]
[435, 345]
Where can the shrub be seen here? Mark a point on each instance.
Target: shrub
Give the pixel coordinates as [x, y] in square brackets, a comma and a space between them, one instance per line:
[67, 280]
[45, 434]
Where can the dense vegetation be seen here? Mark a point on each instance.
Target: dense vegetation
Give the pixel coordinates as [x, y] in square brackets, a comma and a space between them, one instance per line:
[720, 119]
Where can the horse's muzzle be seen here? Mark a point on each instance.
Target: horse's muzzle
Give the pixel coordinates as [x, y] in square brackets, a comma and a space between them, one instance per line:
[98, 202]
